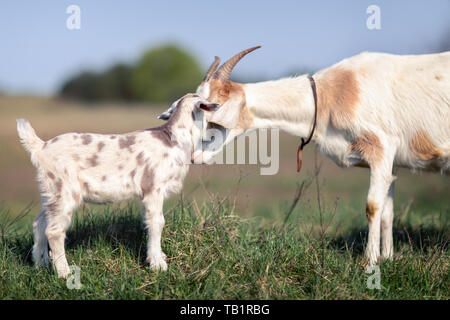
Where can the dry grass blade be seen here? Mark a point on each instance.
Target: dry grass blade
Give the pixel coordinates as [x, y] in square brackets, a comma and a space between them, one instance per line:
[298, 194]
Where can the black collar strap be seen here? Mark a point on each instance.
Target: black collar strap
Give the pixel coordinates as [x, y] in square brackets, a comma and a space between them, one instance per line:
[305, 142]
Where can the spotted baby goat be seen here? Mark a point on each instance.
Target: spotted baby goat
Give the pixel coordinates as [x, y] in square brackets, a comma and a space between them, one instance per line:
[77, 167]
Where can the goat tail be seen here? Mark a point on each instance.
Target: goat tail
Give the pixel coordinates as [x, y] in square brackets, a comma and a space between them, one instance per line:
[30, 141]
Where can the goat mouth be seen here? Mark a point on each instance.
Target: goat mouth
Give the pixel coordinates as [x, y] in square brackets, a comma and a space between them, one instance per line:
[213, 125]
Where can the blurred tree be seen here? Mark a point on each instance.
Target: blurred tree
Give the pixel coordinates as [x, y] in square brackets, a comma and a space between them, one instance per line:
[161, 76]
[113, 84]
[82, 86]
[164, 74]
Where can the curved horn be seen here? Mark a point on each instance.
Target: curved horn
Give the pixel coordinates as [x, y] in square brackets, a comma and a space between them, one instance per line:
[212, 68]
[224, 71]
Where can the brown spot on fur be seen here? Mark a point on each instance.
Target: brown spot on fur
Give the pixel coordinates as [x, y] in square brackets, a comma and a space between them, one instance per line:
[100, 146]
[164, 135]
[438, 77]
[112, 137]
[86, 186]
[165, 155]
[245, 119]
[87, 138]
[337, 97]
[423, 147]
[164, 132]
[50, 175]
[120, 167]
[52, 208]
[127, 142]
[371, 209]
[75, 196]
[58, 185]
[147, 181]
[103, 178]
[369, 146]
[93, 160]
[140, 158]
[220, 92]
[133, 173]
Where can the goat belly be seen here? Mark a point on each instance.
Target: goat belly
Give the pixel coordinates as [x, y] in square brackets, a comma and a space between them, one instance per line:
[111, 190]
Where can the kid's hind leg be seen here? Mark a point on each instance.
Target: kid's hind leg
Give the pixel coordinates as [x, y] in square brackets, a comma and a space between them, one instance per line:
[59, 216]
[40, 247]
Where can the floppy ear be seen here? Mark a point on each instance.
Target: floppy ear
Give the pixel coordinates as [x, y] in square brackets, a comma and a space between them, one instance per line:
[207, 106]
[165, 115]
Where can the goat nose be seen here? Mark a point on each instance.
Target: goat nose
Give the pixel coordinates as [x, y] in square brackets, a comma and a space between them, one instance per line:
[196, 157]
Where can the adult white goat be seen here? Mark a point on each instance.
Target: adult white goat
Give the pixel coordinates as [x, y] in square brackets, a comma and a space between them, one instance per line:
[376, 110]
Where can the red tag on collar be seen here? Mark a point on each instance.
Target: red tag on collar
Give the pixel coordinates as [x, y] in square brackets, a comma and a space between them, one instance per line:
[299, 158]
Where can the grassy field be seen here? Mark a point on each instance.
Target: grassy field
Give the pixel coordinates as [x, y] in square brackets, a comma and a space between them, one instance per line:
[231, 234]
[215, 254]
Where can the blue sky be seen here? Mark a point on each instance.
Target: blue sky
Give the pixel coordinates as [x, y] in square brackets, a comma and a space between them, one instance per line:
[38, 52]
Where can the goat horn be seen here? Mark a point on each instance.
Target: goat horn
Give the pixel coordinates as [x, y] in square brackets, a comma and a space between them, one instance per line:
[224, 71]
[212, 68]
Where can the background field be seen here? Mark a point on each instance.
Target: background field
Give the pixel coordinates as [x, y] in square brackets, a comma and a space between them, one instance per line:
[425, 195]
[229, 234]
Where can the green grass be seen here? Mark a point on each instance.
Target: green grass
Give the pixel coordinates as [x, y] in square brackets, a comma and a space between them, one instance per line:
[215, 254]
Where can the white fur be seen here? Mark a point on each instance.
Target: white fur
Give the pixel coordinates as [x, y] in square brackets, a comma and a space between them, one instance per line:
[98, 168]
[398, 95]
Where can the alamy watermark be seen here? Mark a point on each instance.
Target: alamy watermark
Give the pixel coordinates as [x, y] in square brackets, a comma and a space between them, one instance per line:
[249, 148]
[373, 21]
[73, 22]
[73, 279]
[374, 279]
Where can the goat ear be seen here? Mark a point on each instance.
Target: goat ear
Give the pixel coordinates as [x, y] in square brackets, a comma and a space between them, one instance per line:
[207, 106]
[165, 115]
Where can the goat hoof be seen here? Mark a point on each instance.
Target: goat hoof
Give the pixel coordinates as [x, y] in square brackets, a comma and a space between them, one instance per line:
[64, 273]
[158, 264]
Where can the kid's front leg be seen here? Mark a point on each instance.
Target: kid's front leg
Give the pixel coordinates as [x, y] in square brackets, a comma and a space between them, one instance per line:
[154, 221]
